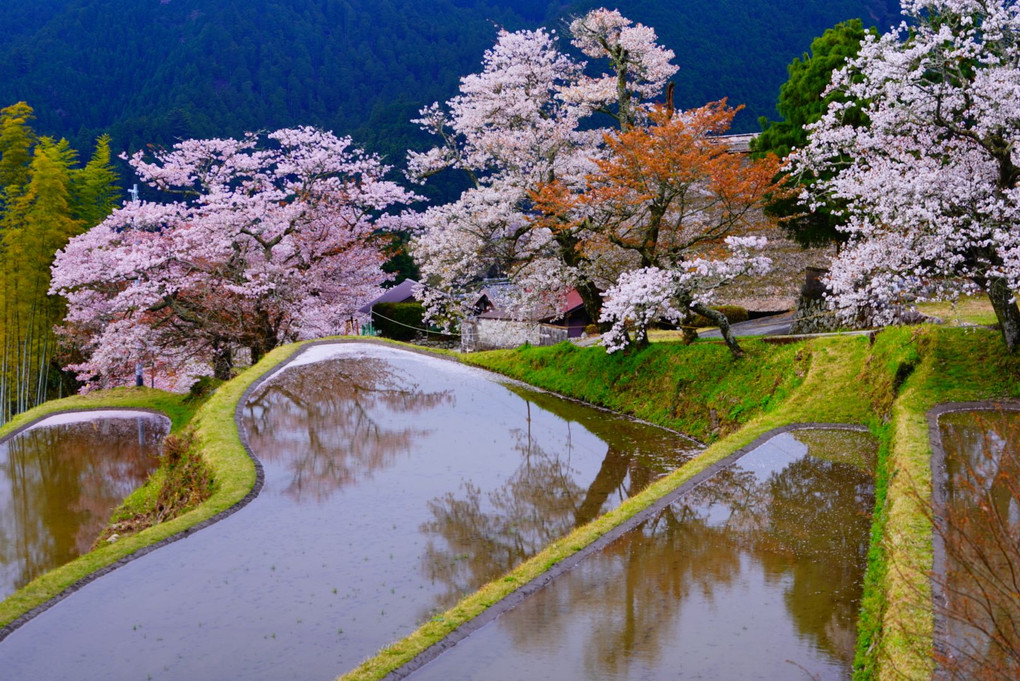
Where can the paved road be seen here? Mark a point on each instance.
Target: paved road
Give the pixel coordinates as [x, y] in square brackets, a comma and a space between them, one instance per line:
[776, 325]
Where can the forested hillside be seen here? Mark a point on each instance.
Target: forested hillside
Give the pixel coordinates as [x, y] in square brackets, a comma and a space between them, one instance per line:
[151, 71]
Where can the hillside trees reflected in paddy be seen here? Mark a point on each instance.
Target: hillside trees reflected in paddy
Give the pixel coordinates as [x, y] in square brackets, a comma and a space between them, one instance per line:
[59, 484]
[475, 536]
[761, 564]
[336, 426]
[338, 423]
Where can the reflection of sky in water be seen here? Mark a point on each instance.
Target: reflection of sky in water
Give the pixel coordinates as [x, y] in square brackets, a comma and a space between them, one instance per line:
[59, 482]
[736, 580]
[376, 512]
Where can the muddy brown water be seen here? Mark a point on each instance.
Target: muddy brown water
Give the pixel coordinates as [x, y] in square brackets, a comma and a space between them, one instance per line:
[755, 574]
[982, 545]
[61, 479]
[394, 484]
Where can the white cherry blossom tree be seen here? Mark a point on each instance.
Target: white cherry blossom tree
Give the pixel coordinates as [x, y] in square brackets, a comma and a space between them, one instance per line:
[519, 123]
[930, 184]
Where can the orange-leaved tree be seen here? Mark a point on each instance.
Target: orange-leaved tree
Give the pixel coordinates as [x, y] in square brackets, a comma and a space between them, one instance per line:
[670, 203]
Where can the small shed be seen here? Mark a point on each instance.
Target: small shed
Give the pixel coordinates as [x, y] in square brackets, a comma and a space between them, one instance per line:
[401, 293]
[493, 325]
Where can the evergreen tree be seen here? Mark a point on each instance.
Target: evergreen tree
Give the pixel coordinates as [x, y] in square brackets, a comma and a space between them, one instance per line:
[94, 187]
[802, 101]
[16, 141]
[35, 224]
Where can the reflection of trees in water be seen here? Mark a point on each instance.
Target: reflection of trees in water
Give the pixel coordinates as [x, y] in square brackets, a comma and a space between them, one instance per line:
[58, 486]
[328, 422]
[806, 526]
[476, 537]
[631, 591]
[982, 540]
[857, 448]
[655, 448]
[481, 539]
[815, 518]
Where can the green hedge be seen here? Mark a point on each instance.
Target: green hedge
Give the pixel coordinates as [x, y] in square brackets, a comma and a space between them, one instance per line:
[399, 321]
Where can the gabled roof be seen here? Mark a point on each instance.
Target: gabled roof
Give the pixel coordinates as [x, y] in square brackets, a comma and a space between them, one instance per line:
[401, 293]
[497, 299]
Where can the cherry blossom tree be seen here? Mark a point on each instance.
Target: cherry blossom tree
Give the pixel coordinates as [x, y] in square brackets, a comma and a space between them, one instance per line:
[272, 238]
[930, 184]
[640, 66]
[650, 294]
[524, 120]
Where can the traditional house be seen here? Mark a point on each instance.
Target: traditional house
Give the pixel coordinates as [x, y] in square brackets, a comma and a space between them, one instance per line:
[401, 293]
[493, 325]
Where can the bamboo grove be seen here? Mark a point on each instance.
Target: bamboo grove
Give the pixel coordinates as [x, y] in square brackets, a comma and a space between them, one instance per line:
[46, 197]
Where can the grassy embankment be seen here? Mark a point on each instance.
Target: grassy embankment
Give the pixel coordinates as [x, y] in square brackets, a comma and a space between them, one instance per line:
[949, 365]
[216, 437]
[973, 310]
[887, 384]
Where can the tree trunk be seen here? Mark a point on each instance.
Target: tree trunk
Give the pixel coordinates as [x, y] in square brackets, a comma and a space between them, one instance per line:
[1006, 311]
[265, 338]
[690, 334]
[724, 326]
[223, 362]
[589, 292]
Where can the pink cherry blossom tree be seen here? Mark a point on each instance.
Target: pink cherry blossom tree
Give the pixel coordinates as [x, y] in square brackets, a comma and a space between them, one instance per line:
[272, 238]
[931, 183]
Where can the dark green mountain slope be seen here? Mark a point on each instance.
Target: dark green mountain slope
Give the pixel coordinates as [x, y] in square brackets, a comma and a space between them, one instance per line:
[150, 71]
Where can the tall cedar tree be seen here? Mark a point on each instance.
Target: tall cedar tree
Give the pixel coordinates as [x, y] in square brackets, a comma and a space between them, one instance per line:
[802, 101]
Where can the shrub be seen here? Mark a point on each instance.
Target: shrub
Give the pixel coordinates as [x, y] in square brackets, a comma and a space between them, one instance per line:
[182, 482]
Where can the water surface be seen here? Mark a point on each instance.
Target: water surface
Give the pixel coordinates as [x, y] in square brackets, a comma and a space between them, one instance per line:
[61, 479]
[982, 541]
[755, 574]
[394, 484]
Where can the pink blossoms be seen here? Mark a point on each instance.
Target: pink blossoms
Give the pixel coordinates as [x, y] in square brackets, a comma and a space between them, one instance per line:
[270, 240]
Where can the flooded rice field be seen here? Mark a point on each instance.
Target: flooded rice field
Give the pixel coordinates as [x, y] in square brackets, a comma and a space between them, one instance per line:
[61, 479]
[980, 622]
[754, 574]
[394, 484]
